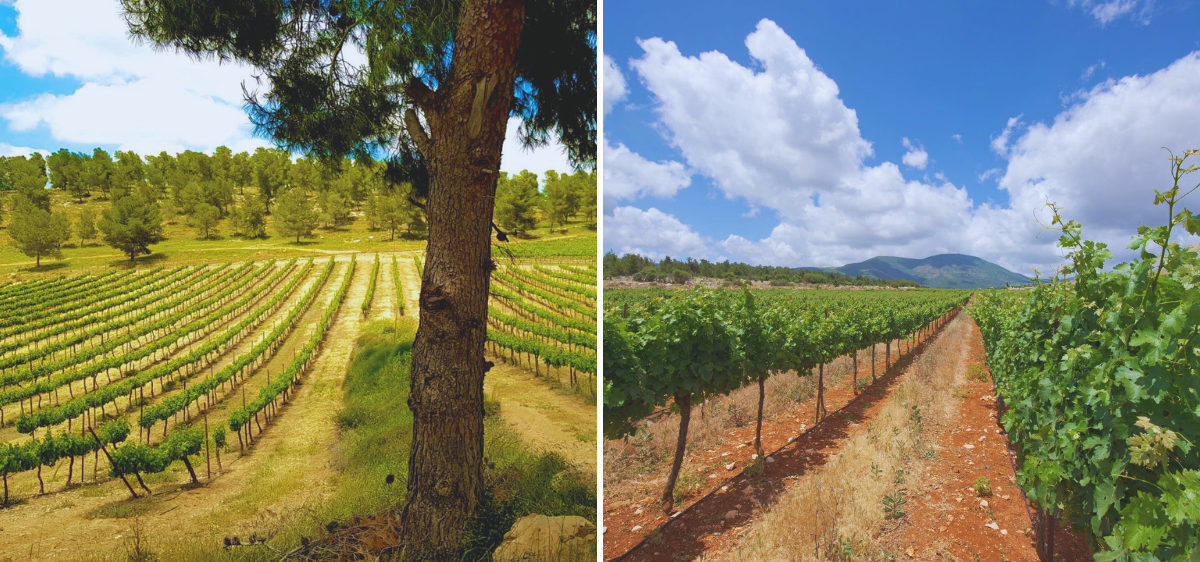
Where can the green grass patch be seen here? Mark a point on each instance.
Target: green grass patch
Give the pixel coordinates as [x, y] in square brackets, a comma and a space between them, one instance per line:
[375, 424]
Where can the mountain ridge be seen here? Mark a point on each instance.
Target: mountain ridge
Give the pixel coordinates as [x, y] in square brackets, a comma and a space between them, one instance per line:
[942, 271]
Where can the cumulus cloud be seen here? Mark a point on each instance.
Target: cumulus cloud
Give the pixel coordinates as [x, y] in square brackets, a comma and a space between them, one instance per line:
[629, 176]
[772, 136]
[132, 96]
[777, 136]
[651, 233]
[916, 157]
[614, 84]
[1101, 157]
[957, 138]
[141, 99]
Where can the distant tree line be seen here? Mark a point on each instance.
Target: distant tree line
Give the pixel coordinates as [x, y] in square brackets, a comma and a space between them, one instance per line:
[676, 271]
[519, 203]
[203, 191]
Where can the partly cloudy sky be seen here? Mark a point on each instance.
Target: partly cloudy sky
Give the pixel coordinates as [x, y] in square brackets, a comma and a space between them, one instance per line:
[824, 133]
[71, 77]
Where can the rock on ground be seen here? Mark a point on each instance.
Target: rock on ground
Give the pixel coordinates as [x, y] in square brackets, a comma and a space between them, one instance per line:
[542, 538]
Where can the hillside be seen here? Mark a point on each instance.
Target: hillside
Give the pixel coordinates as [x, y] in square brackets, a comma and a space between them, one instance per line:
[945, 271]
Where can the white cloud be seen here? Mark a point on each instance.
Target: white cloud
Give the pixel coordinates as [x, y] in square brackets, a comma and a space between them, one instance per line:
[777, 136]
[957, 138]
[1101, 157]
[138, 98]
[916, 157]
[1000, 143]
[1108, 11]
[773, 136]
[515, 157]
[1091, 70]
[651, 233]
[629, 176]
[614, 84]
[132, 96]
[10, 150]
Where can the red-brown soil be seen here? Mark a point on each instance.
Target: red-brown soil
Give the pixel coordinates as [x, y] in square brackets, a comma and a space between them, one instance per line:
[946, 517]
[795, 446]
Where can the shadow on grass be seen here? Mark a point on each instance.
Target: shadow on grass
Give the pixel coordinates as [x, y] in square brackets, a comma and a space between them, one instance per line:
[47, 267]
[125, 263]
[126, 507]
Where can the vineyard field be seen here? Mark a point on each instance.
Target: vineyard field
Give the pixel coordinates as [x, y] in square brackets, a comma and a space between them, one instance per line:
[132, 386]
[669, 354]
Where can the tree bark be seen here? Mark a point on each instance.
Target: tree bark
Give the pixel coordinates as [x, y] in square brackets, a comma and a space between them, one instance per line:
[684, 401]
[466, 117]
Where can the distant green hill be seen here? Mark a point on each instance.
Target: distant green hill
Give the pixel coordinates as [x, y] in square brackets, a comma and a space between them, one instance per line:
[943, 271]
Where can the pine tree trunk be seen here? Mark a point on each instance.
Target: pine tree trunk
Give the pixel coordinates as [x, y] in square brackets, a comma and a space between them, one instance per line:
[467, 118]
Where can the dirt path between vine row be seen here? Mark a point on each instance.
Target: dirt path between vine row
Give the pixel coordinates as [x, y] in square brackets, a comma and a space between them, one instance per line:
[944, 519]
[945, 516]
[639, 530]
[547, 420]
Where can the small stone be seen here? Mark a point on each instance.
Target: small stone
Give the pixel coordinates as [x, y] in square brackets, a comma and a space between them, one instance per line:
[983, 503]
[982, 437]
[731, 515]
[636, 528]
[725, 454]
[993, 526]
[770, 459]
[754, 457]
[638, 512]
[1005, 497]
[713, 475]
[730, 466]
[676, 514]
[724, 488]
[968, 446]
[1003, 531]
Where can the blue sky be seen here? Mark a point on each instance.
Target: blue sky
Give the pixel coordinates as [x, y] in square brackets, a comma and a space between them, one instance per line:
[775, 132]
[71, 77]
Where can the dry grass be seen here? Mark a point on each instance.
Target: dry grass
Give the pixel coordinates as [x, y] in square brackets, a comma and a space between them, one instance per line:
[639, 463]
[836, 512]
